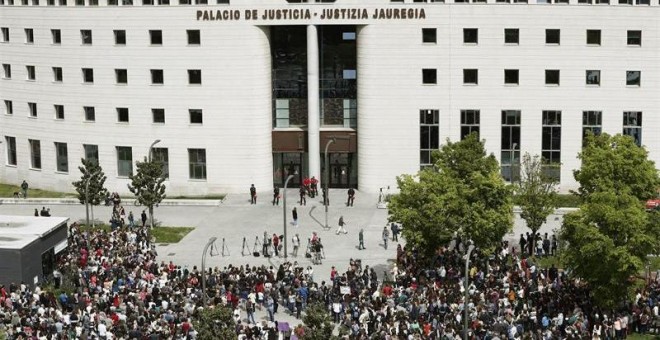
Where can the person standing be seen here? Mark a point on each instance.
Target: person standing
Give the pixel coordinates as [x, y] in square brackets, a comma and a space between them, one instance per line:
[276, 244]
[36, 212]
[351, 197]
[24, 188]
[522, 243]
[386, 235]
[553, 248]
[296, 245]
[276, 195]
[361, 239]
[253, 194]
[270, 307]
[326, 200]
[303, 201]
[314, 184]
[395, 232]
[131, 219]
[264, 249]
[294, 214]
[341, 226]
[144, 218]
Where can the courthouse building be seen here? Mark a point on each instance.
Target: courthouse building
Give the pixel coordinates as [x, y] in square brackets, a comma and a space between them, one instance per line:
[242, 92]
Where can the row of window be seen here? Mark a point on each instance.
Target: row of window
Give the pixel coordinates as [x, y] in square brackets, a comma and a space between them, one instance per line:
[512, 36]
[109, 2]
[158, 115]
[196, 158]
[581, 2]
[510, 139]
[194, 37]
[121, 75]
[512, 77]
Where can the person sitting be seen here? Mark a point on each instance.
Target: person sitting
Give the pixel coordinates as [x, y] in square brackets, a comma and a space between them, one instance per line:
[43, 212]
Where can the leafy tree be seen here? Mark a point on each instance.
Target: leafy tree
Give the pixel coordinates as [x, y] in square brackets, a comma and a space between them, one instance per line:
[616, 163]
[215, 323]
[318, 323]
[535, 193]
[464, 194]
[147, 185]
[96, 192]
[609, 238]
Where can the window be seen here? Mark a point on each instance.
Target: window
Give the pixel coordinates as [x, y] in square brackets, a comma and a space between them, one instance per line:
[195, 77]
[62, 157]
[593, 37]
[552, 36]
[470, 35]
[56, 36]
[59, 111]
[469, 122]
[9, 107]
[633, 78]
[57, 74]
[632, 125]
[197, 162]
[471, 76]
[124, 161]
[551, 144]
[120, 37]
[593, 77]
[35, 154]
[91, 152]
[11, 150]
[156, 37]
[122, 114]
[157, 77]
[158, 115]
[510, 157]
[121, 76]
[552, 77]
[5, 34]
[429, 35]
[31, 75]
[113, 3]
[88, 75]
[511, 36]
[194, 37]
[429, 76]
[195, 116]
[62, 2]
[86, 37]
[29, 36]
[6, 68]
[511, 77]
[161, 155]
[429, 132]
[592, 122]
[90, 113]
[634, 38]
[32, 107]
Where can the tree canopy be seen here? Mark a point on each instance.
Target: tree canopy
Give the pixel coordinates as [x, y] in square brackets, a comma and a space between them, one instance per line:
[96, 192]
[535, 193]
[609, 238]
[215, 323]
[318, 323]
[147, 185]
[464, 193]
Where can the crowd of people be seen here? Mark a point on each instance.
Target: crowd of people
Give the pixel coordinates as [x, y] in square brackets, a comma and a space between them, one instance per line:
[117, 289]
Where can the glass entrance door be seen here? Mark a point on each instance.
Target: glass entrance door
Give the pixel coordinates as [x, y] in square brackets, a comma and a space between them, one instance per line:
[285, 164]
[343, 170]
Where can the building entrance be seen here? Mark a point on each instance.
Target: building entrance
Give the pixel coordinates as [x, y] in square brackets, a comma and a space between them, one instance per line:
[288, 163]
[343, 170]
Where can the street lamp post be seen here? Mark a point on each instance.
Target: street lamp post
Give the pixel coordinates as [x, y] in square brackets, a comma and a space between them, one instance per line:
[465, 302]
[151, 149]
[286, 183]
[332, 139]
[89, 179]
[206, 248]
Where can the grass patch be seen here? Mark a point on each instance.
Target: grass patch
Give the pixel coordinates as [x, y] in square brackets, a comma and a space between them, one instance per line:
[204, 197]
[546, 261]
[160, 234]
[8, 190]
[635, 336]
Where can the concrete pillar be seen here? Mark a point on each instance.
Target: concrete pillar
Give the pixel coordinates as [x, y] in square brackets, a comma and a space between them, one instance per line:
[313, 107]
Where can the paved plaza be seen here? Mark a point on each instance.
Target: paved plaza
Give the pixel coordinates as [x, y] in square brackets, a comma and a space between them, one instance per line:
[235, 219]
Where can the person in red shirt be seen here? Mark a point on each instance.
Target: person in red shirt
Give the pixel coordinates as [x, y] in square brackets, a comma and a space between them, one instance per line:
[276, 243]
[333, 274]
[387, 290]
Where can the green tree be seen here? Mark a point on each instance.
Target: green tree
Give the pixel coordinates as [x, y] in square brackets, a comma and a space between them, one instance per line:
[609, 238]
[147, 185]
[92, 174]
[215, 323]
[464, 194]
[535, 193]
[616, 163]
[318, 323]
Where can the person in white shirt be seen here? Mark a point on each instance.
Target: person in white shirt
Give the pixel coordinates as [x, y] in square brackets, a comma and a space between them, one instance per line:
[103, 331]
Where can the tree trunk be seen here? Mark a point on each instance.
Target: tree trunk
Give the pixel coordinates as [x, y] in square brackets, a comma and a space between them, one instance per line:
[151, 215]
